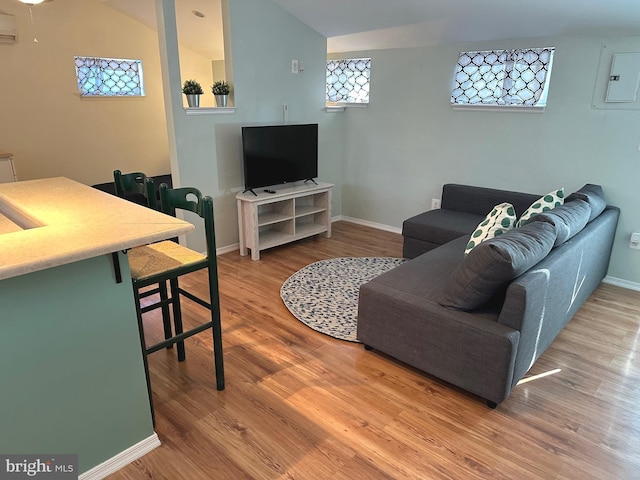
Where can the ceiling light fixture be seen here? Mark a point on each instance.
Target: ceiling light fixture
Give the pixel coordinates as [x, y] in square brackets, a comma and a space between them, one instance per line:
[31, 3]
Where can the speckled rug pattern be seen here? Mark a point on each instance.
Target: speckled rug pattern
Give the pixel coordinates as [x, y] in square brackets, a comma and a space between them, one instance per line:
[324, 294]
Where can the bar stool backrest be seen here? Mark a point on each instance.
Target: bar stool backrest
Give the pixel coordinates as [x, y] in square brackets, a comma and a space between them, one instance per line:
[192, 200]
[135, 183]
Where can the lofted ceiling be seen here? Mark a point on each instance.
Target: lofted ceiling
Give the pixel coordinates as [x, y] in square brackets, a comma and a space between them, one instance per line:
[201, 34]
[352, 25]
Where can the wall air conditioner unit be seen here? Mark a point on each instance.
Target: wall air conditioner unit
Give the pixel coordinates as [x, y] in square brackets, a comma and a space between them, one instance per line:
[8, 28]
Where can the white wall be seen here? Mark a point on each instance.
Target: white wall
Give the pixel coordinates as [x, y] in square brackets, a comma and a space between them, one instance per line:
[197, 67]
[45, 123]
[48, 127]
[408, 142]
[206, 149]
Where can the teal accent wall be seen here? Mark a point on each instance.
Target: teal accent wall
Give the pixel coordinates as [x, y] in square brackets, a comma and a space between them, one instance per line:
[408, 142]
[389, 159]
[206, 150]
[71, 368]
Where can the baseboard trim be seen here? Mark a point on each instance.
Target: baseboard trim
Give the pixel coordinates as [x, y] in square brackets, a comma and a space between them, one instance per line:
[122, 459]
[366, 223]
[227, 249]
[619, 282]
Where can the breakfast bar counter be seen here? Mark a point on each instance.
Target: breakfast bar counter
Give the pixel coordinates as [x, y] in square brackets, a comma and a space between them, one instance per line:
[55, 221]
[71, 366]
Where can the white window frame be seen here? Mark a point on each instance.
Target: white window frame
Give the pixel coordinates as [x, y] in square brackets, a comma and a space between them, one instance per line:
[100, 70]
[502, 65]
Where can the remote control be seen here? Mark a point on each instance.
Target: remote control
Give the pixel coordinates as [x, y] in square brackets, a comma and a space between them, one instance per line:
[269, 191]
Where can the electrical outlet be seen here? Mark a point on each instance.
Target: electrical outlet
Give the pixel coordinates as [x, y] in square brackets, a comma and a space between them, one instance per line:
[294, 66]
[634, 242]
[435, 203]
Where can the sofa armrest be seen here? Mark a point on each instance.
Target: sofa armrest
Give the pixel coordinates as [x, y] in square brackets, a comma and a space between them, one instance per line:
[541, 302]
[471, 351]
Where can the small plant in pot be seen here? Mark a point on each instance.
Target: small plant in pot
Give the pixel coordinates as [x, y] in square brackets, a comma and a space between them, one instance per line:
[221, 91]
[192, 90]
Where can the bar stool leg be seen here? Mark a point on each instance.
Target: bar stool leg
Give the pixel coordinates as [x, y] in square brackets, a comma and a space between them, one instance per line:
[136, 295]
[177, 315]
[166, 318]
[216, 328]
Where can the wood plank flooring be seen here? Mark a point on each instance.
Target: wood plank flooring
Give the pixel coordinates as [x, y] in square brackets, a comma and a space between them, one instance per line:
[301, 405]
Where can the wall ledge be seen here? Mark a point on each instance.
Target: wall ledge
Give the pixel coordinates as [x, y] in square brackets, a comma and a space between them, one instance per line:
[209, 110]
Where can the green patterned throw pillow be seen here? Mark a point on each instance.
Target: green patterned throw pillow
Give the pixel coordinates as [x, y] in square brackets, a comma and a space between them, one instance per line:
[498, 221]
[543, 204]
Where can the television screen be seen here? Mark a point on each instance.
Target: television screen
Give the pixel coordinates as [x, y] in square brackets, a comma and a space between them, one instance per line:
[278, 154]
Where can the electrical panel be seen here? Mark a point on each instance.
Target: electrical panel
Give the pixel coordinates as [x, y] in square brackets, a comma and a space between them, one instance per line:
[624, 78]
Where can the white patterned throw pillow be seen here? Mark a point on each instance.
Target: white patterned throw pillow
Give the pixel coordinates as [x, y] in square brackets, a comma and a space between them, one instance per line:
[498, 221]
[543, 204]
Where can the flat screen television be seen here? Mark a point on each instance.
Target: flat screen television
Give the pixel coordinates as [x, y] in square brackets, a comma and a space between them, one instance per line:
[277, 154]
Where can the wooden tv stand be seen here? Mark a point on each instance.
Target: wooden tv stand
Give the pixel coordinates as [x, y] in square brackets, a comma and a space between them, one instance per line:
[267, 220]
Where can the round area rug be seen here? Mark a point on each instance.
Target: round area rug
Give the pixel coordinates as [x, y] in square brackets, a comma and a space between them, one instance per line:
[324, 295]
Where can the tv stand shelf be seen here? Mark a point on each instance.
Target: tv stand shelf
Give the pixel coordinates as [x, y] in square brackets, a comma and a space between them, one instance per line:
[267, 220]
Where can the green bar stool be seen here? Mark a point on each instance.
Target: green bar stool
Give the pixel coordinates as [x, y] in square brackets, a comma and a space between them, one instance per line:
[139, 188]
[167, 261]
[136, 187]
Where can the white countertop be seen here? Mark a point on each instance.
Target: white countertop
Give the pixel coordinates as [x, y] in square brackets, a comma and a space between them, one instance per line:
[54, 221]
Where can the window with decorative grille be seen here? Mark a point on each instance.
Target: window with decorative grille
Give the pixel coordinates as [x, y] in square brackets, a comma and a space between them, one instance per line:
[503, 78]
[348, 80]
[109, 77]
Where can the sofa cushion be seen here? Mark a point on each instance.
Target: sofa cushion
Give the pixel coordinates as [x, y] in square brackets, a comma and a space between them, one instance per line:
[594, 196]
[440, 226]
[568, 219]
[423, 276]
[546, 202]
[500, 219]
[495, 262]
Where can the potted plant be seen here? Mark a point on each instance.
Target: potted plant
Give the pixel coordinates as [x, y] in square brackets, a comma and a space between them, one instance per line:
[192, 90]
[221, 91]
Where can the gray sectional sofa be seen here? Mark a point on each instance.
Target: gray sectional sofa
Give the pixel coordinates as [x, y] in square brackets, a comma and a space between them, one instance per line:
[479, 321]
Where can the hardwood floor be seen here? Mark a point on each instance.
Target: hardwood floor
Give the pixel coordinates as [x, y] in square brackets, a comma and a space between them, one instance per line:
[301, 405]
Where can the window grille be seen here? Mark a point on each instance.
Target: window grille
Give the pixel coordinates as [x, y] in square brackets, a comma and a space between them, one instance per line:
[348, 80]
[109, 77]
[503, 77]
